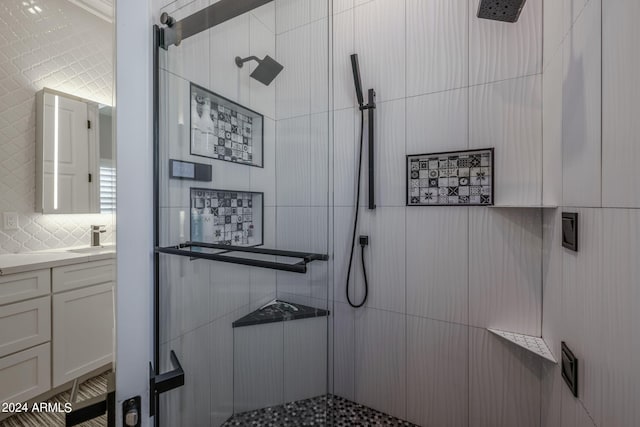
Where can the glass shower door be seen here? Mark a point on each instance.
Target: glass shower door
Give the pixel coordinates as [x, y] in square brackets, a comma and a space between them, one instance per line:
[243, 213]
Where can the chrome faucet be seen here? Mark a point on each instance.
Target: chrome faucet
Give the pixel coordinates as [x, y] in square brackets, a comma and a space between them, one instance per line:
[96, 230]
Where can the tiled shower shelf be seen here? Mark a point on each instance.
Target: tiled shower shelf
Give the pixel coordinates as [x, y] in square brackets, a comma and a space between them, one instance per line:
[279, 311]
[535, 345]
[242, 255]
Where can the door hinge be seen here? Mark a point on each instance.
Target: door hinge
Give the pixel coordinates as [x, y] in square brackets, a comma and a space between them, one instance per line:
[88, 124]
[90, 178]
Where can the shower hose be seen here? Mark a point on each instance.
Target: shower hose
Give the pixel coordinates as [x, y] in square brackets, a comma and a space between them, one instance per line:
[355, 227]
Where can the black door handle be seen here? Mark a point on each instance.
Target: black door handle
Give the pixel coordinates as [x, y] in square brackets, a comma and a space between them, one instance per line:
[162, 383]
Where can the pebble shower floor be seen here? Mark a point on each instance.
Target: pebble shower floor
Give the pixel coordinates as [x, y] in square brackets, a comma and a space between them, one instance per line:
[325, 410]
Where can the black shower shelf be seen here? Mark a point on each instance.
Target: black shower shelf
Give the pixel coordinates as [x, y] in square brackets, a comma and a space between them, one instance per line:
[226, 252]
[279, 311]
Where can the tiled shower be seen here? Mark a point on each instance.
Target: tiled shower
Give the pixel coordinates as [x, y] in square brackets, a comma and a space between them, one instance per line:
[455, 292]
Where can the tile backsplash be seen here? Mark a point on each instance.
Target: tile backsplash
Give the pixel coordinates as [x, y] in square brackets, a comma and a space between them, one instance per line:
[39, 232]
[63, 48]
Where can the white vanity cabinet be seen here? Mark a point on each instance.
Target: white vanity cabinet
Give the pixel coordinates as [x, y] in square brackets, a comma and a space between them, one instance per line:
[26, 374]
[22, 286]
[56, 323]
[25, 334]
[83, 319]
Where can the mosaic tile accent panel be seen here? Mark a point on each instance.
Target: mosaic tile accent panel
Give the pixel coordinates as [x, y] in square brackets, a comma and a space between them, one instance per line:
[328, 410]
[224, 130]
[456, 178]
[226, 217]
[535, 345]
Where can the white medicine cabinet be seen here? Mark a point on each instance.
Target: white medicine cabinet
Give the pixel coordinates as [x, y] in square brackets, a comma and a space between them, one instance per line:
[69, 142]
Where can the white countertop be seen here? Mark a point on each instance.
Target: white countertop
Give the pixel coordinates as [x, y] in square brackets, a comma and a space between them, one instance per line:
[29, 261]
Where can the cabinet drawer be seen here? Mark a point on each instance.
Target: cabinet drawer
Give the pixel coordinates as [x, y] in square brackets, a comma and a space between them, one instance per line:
[22, 286]
[80, 275]
[83, 328]
[24, 324]
[26, 374]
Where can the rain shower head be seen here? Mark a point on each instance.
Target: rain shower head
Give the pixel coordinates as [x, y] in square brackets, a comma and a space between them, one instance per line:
[266, 71]
[501, 10]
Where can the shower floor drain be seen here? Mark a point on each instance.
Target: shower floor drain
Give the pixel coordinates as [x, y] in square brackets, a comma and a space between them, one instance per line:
[328, 410]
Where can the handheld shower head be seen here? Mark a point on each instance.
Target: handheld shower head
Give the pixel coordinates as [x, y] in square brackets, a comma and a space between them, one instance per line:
[364, 240]
[355, 67]
[266, 71]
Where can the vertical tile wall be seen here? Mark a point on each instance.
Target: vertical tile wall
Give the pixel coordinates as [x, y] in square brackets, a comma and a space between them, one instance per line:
[590, 297]
[439, 276]
[65, 48]
[302, 183]
[302, 144]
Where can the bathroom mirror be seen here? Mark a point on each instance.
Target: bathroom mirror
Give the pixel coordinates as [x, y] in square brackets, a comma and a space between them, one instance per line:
[73, 154]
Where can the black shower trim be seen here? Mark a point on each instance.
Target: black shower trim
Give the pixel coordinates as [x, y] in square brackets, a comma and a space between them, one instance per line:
[570, 237]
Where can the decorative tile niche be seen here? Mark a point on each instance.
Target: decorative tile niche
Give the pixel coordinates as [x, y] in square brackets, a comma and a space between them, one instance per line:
[224, 130]
[455, 178]
[226, 217]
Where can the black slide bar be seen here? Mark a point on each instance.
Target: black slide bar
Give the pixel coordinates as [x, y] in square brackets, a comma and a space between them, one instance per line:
[372, 165]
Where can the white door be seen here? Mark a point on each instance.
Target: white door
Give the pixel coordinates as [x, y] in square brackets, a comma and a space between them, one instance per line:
[66, 155]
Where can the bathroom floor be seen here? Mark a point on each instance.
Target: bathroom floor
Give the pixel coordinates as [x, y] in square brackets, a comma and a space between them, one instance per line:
[313, 412]
[91, 388]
